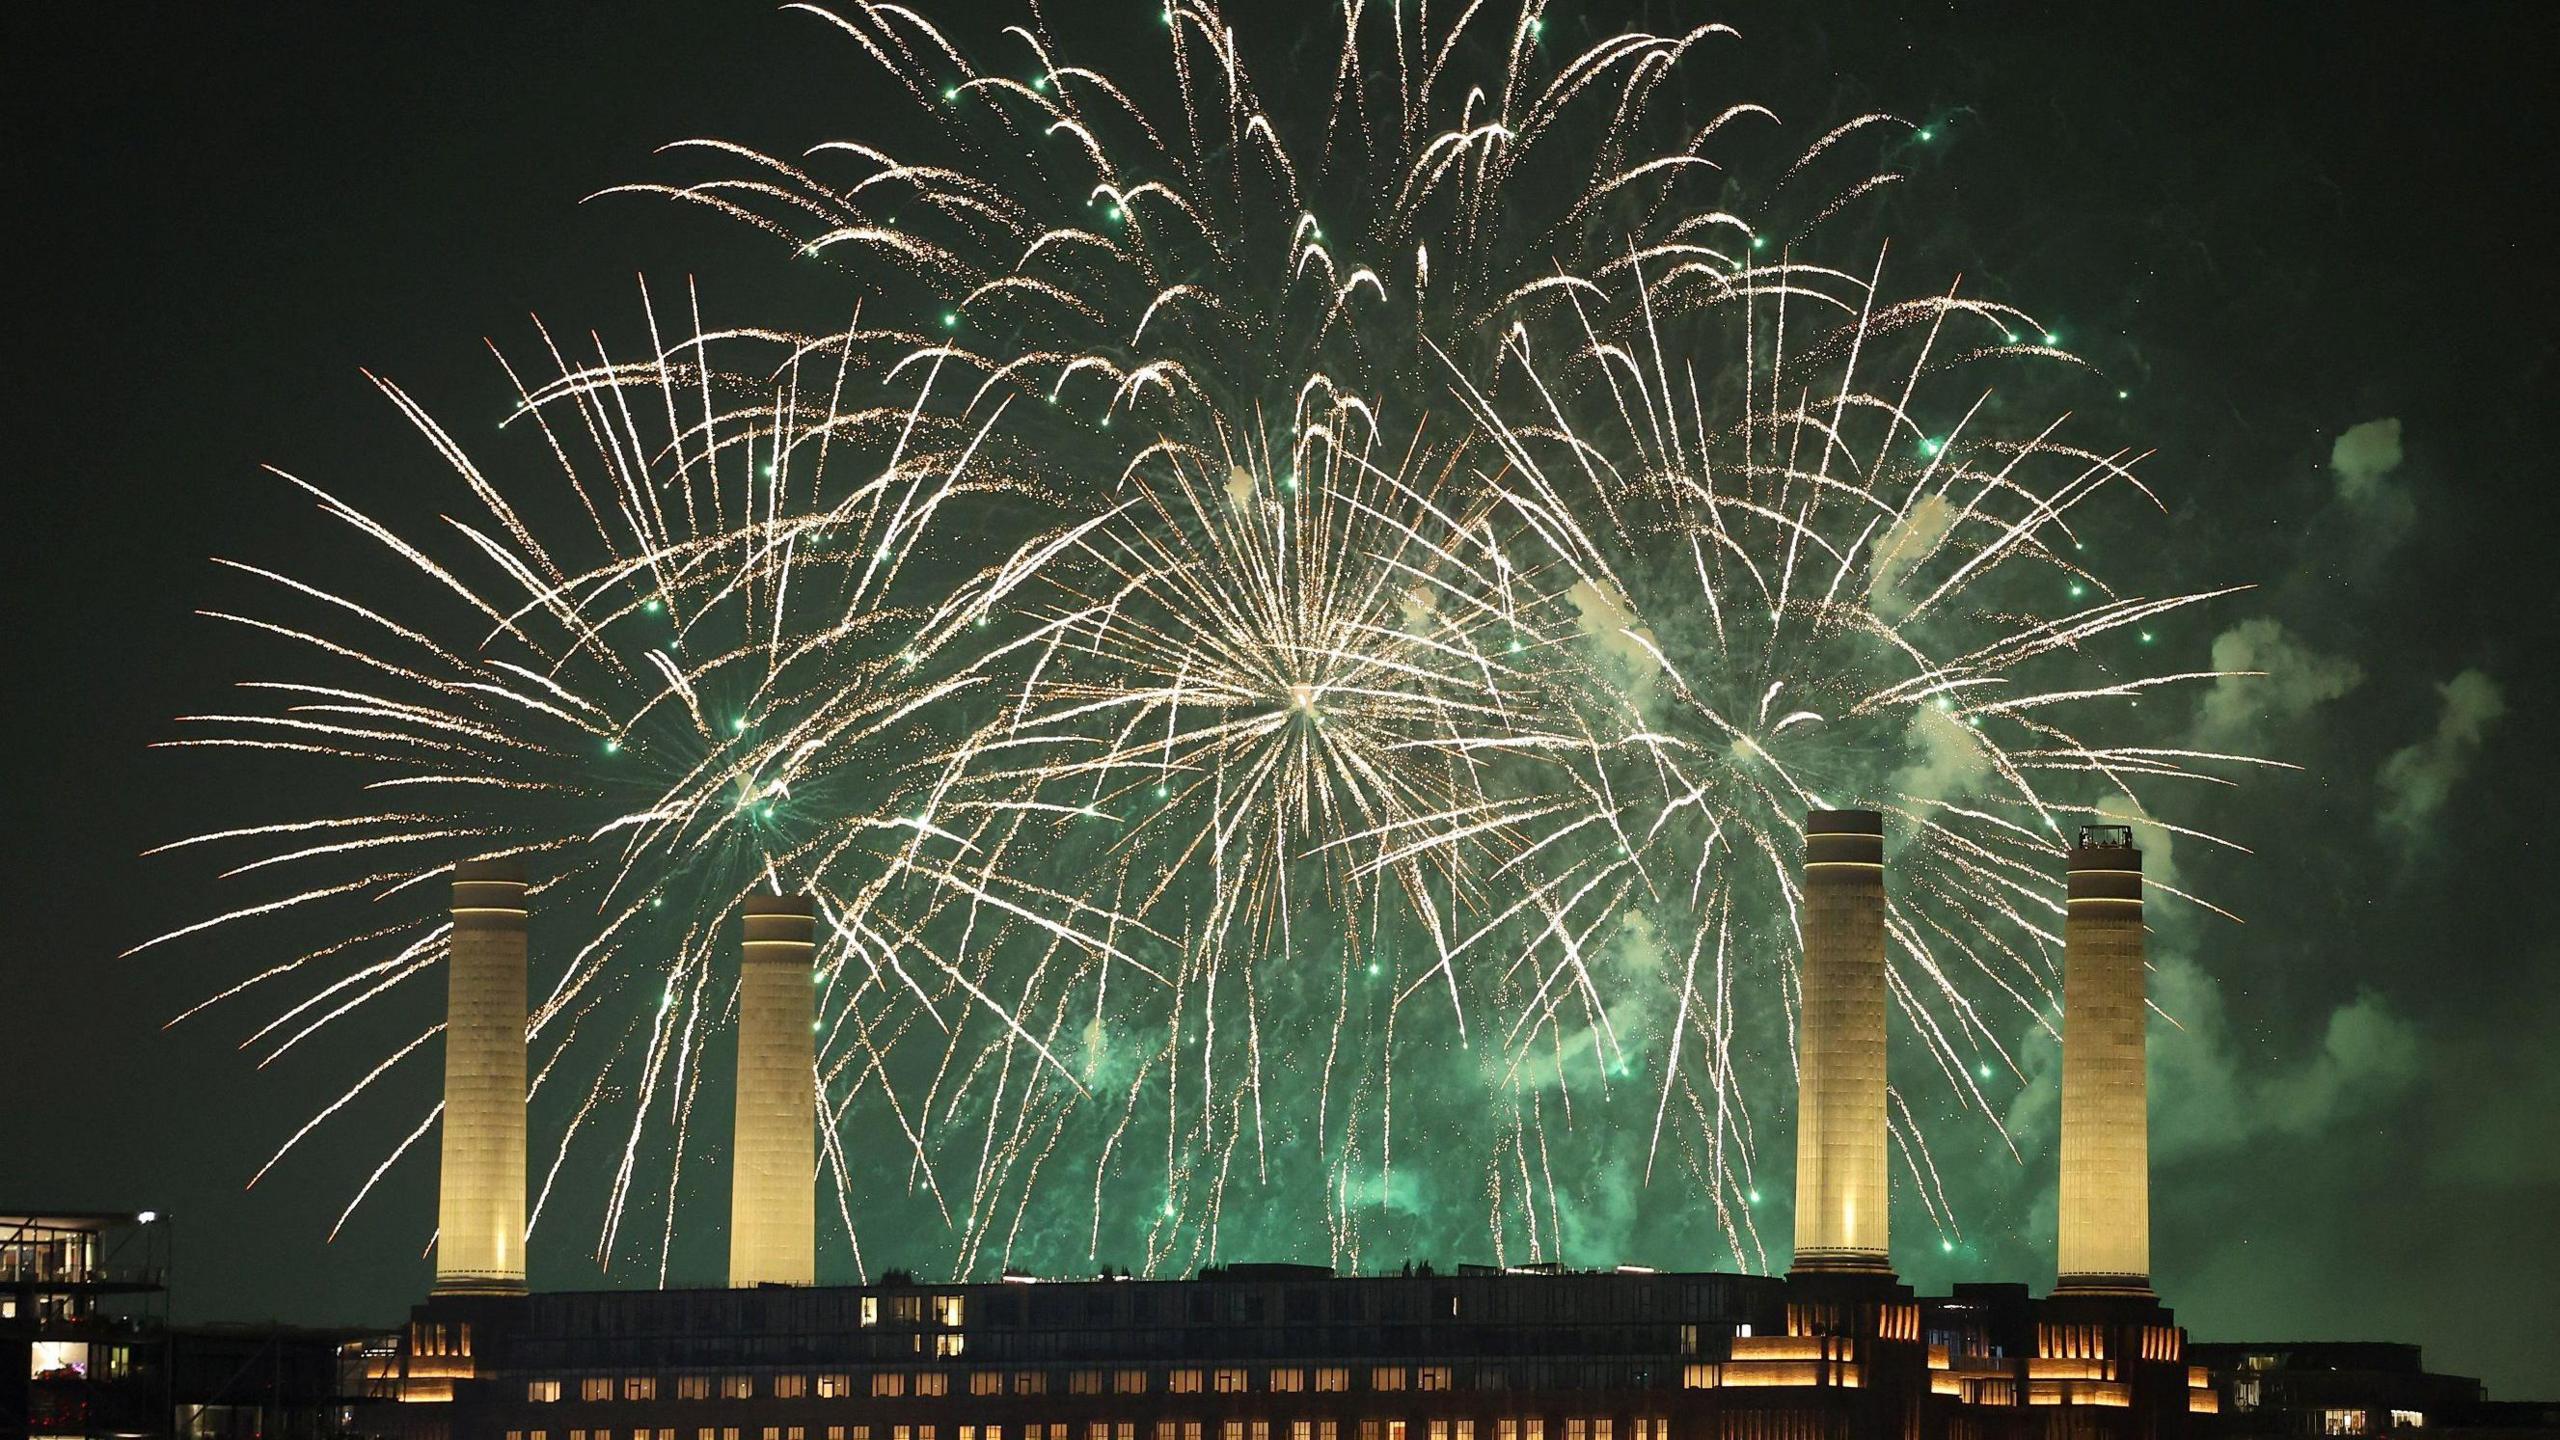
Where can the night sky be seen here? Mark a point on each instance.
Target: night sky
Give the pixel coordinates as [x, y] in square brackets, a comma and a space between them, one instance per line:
[2308, 244]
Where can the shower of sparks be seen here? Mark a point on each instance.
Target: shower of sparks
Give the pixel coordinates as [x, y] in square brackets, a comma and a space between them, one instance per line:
[1291, 624]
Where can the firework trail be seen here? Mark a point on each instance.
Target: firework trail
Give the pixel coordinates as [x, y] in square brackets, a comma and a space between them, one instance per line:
[718, 673]
[1344, 593]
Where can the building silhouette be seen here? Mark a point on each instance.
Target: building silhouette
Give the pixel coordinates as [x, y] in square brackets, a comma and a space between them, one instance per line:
[1837, 1347]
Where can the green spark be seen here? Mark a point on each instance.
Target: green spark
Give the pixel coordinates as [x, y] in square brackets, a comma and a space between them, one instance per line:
[950, 93]
[1373, 969]
[612, 746]
[1931, 444]
[1946, 1246]
[950, 319]
[768, 472]
[653, 606]
[2051, 338]
[2124, 394]
[738, 726]
[2076, 589]
[657, 902]
[1040, 83]
[1927, 134]
[2146, 637]
[1759, 242]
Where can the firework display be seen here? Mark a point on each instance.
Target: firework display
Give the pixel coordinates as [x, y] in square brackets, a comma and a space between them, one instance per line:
[1289, 638]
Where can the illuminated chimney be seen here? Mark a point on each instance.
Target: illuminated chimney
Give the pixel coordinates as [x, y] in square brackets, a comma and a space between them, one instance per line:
[480, 1190]
[2106, 1148]
[773, 1196]
[1840, 1099]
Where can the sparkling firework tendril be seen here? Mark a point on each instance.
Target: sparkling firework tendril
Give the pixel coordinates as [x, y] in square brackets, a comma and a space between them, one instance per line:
[726, 678]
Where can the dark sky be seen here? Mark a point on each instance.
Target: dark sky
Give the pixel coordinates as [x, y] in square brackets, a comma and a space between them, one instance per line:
[2280, 223]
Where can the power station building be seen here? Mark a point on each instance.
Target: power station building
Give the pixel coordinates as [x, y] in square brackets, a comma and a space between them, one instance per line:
[1837, 1347]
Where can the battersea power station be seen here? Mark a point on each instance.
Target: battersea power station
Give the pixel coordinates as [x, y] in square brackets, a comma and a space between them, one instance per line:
[1836, 1347]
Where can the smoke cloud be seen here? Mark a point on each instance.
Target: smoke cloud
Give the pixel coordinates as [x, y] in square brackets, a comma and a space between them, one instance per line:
[2363, 460]
[2243, 710]
[2418, 779]
[1912, 540]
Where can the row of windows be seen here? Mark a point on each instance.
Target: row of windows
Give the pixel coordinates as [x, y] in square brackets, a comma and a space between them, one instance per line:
[1528, 1427]
[1511, 1300]
[894, 1384]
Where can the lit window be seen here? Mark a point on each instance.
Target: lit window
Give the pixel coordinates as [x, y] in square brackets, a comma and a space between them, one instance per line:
[834, 1387]
[1261, 1430]
[1577, 1428]
[1386, 1377]
[933, 1382]
[1288, 1382]
[1333, 1377]
[947, 1309]
[790, 1387]
[835, 1432]
[1600, 1428]
[948, 1347]
[1433, 1377]
[1190, 1430]
[1302, 1430]
[1227, 1382]
[1185, 1382]
[887, 1384]
[1466, 1430]
[694, 1387]
[906, 1309]
[737, 1387]
[770, 1432]
[1698, 1377]
[595, 1387]
[870, 1309]
[1231, 1430]
[796, 1432]
[542, 1392]
[2342, 1422]
[1372, 1430]
[639, 1387]
[1085, 1382]
[984, 1382]
[1032, 1382]
[1129, 1382]
[2400, 1420]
